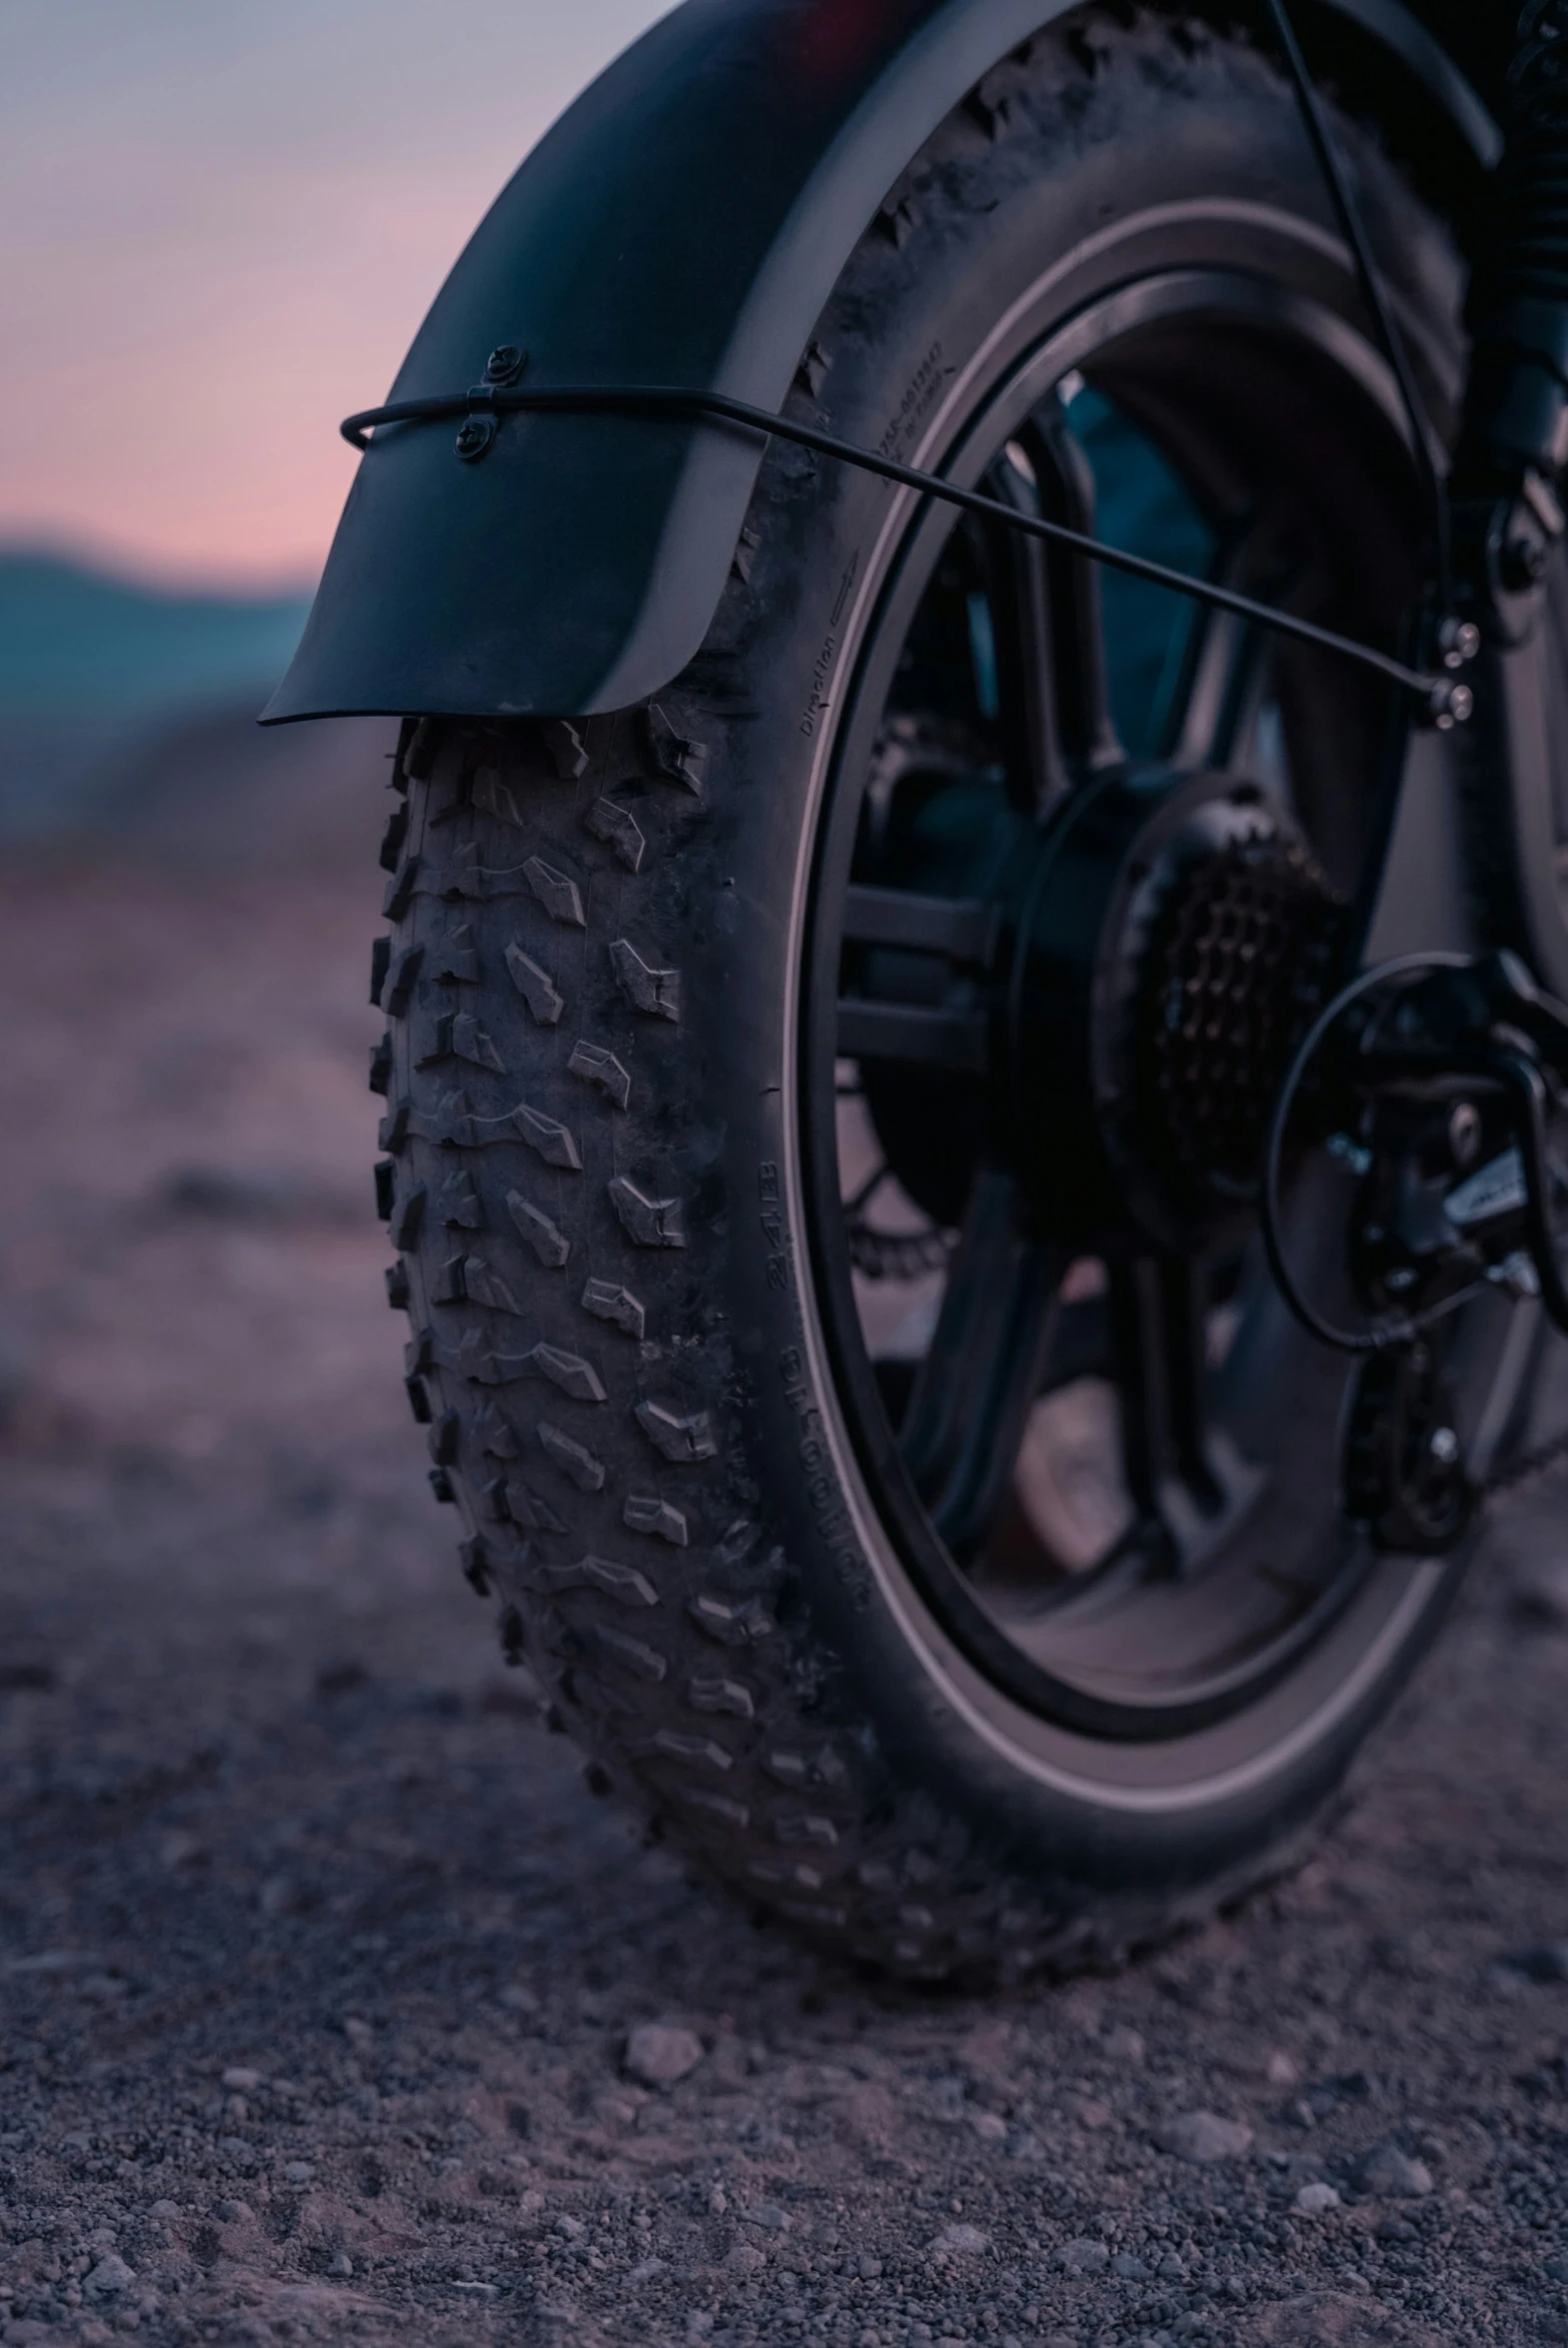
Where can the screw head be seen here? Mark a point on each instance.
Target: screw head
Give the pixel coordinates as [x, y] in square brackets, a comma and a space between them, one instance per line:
[505, 362]
[1523, 562]
[475, 437]
[1459, 641]
[1464, 1133]
[1451, 705]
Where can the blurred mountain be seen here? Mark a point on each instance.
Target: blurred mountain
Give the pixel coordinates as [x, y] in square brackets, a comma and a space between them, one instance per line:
[128, 715]
[77, 640]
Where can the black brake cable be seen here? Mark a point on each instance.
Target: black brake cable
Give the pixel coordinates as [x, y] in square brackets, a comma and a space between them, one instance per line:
[1447, 701]
[1373, 293]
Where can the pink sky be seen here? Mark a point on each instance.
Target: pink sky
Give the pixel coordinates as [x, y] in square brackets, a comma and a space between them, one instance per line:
[219, 228]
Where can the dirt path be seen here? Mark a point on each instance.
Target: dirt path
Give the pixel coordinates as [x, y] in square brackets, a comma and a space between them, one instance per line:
[318, 1961]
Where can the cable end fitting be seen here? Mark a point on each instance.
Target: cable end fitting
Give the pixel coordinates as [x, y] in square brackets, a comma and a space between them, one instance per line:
[1448, 703]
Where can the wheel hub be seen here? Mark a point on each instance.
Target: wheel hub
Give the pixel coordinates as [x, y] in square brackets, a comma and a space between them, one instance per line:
[1175, 940]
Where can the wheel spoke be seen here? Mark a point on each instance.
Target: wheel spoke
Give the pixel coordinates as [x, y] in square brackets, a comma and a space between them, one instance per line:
[961, 929]
[1018, 590]
[1065, 481]
[979, 1383]
[954, 1039]
[1157, 1318]
[912, 964]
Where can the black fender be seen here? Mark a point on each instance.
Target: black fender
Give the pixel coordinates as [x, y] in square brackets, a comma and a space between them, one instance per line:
[682, 224]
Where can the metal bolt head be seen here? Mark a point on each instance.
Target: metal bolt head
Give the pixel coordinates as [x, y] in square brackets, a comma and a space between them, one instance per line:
[1444, 1446]
[1458, 641]
[475, 437]
[505, 362]
[1451, 705]
[1464, 1133]
[1523, 560]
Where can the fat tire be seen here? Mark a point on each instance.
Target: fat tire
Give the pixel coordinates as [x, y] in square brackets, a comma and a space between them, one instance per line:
[587, 1041]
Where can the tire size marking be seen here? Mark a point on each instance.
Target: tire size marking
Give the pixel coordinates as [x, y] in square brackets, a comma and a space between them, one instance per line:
[924, 388]
[781, 1271]
[833, 1522]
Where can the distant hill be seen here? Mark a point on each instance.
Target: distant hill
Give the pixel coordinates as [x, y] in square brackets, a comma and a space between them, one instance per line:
[94, 670]
[76, 639]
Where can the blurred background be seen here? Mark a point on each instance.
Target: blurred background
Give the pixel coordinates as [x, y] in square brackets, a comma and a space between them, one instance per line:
[221, 228]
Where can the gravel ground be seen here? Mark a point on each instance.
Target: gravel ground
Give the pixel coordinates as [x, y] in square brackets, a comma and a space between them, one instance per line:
[333, 2006]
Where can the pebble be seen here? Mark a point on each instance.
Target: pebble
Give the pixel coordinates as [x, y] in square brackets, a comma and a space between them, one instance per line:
[1388, 2170]
[339, 2264]
[241, 2079]
[233, 2213]
[1083, 2256]
[164, 2209]
[744, 2258]
[1282, 2070]
[645, 2271]
[1130, 2268]
[659, 2053]
[299, 2172]
[477, 2290]
[1203, 2136]
[766, 2214]
[989, 2126]
[1123, 2045]
[1312, 2200]
[111, 2274]
[1547, 1962]
[962, 2241]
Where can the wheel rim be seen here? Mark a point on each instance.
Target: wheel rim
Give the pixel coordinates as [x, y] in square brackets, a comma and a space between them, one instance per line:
[1083, 1596]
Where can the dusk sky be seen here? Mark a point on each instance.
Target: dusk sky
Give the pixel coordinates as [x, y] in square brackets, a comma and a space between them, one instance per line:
[220, 223]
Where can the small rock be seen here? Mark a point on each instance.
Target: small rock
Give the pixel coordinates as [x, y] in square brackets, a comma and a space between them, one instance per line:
[867, 2268]
[516, 1999]
[339, 2264]
[645, 2271]
[1548, 1962]
[1387, 2171]
[962, 2241]
[1312, 2200]
[1090, 2112]
[233, 2213]
[1083, 2256]
[989, 2126]
[1170, 2269]
[571, 2227]
[1123, 2045]
[477, 2290]
[718, 2202]
[180, 1849]
[744, 2258]
[165, 2210]
[241, 2079]
[1203, 2136]
[768, 2215]
[1539, 1594]
[1396, 2229]
[1281, 2071]
[1130, 2269]
[299, 2172]
[659, 2053]
[111, 2274]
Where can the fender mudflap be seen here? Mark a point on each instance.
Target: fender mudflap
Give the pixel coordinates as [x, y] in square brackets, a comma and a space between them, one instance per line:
[683, 224]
